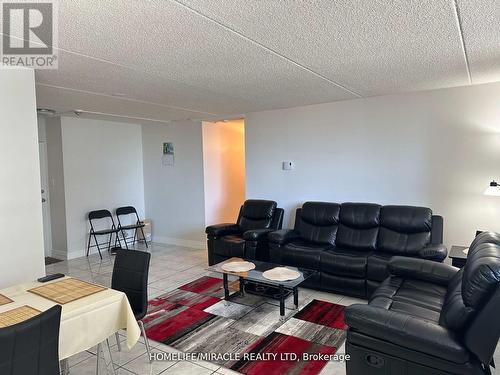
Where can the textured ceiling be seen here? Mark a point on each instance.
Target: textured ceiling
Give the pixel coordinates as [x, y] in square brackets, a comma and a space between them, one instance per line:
[209, 59]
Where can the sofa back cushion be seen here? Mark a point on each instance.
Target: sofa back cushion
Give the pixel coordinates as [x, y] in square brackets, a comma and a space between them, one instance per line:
[472, 287]
[404, 230]
[319, 222]
[454, 314]
[256, 214]
[481, 274]
[359, 226]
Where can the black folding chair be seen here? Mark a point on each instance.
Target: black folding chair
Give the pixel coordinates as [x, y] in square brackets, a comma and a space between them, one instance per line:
[110, 230]
[32, 346]
[139, 225]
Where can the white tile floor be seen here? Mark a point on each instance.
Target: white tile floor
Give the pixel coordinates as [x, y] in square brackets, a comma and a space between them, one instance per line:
[171, 267]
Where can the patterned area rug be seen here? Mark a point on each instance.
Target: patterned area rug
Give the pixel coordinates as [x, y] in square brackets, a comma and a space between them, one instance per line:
[194, 318]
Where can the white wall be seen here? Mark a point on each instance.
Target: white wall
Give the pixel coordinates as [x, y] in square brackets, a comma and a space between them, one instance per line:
[57, 199]
[438, 149]
[174, 194]
[102, 170]
[21, 228]
[224, 170]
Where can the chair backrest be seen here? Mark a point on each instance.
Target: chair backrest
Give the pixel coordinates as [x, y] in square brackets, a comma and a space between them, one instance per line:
[32, 347]
[256, 214]
[404, 230]
[318, 222]
[100, 214]
[126, 210]
[130, 276]
[472, 301]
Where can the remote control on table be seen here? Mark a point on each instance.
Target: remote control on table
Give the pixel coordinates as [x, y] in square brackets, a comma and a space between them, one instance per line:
[50, 277]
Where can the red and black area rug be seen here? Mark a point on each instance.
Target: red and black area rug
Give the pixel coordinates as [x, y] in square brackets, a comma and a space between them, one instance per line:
[194, 318]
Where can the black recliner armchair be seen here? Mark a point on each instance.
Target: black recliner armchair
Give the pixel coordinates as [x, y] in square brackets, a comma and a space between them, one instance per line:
[248, 237]
[430, 318]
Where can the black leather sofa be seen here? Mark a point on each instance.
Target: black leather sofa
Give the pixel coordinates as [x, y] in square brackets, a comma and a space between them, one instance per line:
[247, 238]
[430, 318]
[350, 244]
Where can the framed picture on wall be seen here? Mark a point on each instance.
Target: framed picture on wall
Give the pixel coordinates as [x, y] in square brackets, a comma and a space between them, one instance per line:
[168, 153]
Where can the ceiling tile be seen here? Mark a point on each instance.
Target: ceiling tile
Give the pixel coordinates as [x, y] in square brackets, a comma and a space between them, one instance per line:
[372, 47]
[481, 27]
[64, 100]
[164, 38]
[84, 73]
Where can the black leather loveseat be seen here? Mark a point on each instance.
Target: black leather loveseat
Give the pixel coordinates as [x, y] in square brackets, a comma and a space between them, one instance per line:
[350, 244]
[247, 238]
[430, 318]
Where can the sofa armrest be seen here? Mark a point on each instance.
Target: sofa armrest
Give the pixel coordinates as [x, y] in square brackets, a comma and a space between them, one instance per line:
[222, 229]
[282, 236]
[407, 331]
[422, 269]
[256, 234]
[436, 252]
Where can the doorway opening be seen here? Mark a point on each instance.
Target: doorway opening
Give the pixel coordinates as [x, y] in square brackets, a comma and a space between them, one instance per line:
[223, 169]
[44, 182]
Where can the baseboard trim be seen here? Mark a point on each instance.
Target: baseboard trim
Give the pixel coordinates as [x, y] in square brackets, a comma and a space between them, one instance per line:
[64, 255]
[201, 245]
[180, 242]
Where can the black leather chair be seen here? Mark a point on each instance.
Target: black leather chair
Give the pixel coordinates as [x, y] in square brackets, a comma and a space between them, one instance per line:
[430, 318]
[32, 347]
[248, 237]
[350, 244]
[130, 276]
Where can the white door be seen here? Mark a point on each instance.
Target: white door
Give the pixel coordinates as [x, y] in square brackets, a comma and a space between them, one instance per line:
[44, 177]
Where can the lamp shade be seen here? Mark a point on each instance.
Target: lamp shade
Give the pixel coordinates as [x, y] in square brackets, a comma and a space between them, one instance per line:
[493, 189]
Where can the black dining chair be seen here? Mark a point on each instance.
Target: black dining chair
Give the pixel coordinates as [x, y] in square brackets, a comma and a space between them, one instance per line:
[138, 225]
[109, 230]
[32, 346]
[130, 276]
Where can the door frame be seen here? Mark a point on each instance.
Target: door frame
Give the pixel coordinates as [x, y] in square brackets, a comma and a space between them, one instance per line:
[44, 183]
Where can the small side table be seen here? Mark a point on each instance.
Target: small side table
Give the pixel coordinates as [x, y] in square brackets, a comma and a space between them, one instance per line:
[457, 255]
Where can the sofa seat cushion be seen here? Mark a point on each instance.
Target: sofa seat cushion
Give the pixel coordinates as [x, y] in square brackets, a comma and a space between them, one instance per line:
[345, 262]
[230, 246]
[417, 298]
[303, 254]
[377, 266]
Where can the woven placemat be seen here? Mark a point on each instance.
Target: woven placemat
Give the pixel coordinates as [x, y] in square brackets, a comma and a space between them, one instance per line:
[4, 300]
[17, 315]
[67, 290]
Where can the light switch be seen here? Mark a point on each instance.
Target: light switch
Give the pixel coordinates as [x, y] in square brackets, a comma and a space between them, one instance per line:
[288, 165]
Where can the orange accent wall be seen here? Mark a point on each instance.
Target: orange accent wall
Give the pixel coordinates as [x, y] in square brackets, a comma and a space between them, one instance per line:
[224, 170]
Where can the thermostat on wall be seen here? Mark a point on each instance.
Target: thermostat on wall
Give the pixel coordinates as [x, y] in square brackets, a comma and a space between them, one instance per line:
[288, 165]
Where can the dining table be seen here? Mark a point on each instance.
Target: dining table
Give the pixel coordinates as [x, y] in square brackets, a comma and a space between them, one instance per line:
[85, 322]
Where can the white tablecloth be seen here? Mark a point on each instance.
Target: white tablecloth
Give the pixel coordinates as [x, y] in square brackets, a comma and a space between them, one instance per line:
[84, 322]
